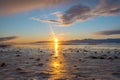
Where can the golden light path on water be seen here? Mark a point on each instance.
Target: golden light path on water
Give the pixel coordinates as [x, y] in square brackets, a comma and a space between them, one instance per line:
[56, 47]
[56, 62]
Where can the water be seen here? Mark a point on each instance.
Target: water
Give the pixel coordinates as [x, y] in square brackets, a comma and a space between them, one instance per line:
[99, 46]
[61, 62]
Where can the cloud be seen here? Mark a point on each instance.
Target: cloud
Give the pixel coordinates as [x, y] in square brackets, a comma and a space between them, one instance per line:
[70, 16]
[15, 6]
[44, 20]
[108, 8]
[73, 14]
[110, 32]
[83, 13]
[7, 38]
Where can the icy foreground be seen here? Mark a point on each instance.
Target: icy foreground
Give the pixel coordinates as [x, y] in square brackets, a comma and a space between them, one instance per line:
[70, 64]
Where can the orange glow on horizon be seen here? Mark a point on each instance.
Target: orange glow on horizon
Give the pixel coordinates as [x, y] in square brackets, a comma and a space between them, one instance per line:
[56, 40]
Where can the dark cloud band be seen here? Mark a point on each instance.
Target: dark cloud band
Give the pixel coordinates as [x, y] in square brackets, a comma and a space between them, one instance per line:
[111, 32]
[8, 38]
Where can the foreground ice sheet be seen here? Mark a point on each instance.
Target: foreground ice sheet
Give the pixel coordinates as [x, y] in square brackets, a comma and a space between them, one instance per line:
[69, 64]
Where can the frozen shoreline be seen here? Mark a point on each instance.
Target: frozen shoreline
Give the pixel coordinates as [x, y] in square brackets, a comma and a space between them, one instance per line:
[71, 64]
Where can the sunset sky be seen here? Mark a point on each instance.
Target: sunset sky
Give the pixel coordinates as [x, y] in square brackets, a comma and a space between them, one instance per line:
[30, 20]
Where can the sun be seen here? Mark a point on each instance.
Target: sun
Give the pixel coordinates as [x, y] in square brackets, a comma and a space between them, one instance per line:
[56, 40]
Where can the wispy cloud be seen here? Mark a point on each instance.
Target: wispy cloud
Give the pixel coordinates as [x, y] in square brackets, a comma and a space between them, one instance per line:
[44, 20]
[7, 38]
[109, 32]
[83, 13]
[15, 6]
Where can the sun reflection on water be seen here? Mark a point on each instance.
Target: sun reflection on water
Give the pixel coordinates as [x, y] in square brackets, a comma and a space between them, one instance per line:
[56, 62]
[56, 47]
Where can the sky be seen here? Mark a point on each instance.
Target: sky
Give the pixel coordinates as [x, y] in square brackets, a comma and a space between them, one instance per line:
[24, 21]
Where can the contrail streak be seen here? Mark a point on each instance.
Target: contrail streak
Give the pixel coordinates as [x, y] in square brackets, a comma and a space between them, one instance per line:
[52, 31]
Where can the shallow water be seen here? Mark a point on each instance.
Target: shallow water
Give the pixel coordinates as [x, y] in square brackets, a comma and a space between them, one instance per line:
[66, 62]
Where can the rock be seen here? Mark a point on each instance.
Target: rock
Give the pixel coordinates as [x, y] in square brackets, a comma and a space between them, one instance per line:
[38, 59]
[31, 58]
[19, 69]
[75, 65]
[47, 59]
[115, 57]
[77, 69]
[61, 79]
[102, 57]
[80, 60]
[116, 74]
[40, 51]
[77, 51]
[3, 64]
[110, 58]
[17, 55]
[40, 64]
[92, 57]
[60, 62]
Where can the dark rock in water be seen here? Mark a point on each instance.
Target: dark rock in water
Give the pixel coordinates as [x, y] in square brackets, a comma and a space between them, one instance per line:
[77, 51]
[75, 65]
[55, 57]
[27, 62]
[40, 51]
[98, 57]
[77, 69]
[51, 54]
[3, 64]
[60, 62]
[40, 64]
[63, 54]
[4, 45]
[31, 58]
[102, 57]
[80, 60]
[18, 55]
[93, 79]
[85, 50]
[92, 57]
[38, 59]
[61, 79]
[117, 74]
[110, 58]
[108, 52]
[19, 69]
[95, 52]
[115, 57]
[47, 59]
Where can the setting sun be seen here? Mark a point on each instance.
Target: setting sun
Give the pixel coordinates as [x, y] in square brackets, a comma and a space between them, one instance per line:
[56, 40]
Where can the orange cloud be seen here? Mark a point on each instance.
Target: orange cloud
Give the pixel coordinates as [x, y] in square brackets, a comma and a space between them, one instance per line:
[15, 6]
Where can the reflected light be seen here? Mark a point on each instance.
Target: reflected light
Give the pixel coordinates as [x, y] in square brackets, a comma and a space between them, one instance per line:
[56, 64]
[56, 47]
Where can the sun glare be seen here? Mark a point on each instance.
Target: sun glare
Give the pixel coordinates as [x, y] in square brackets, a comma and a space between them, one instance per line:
[56, 40]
